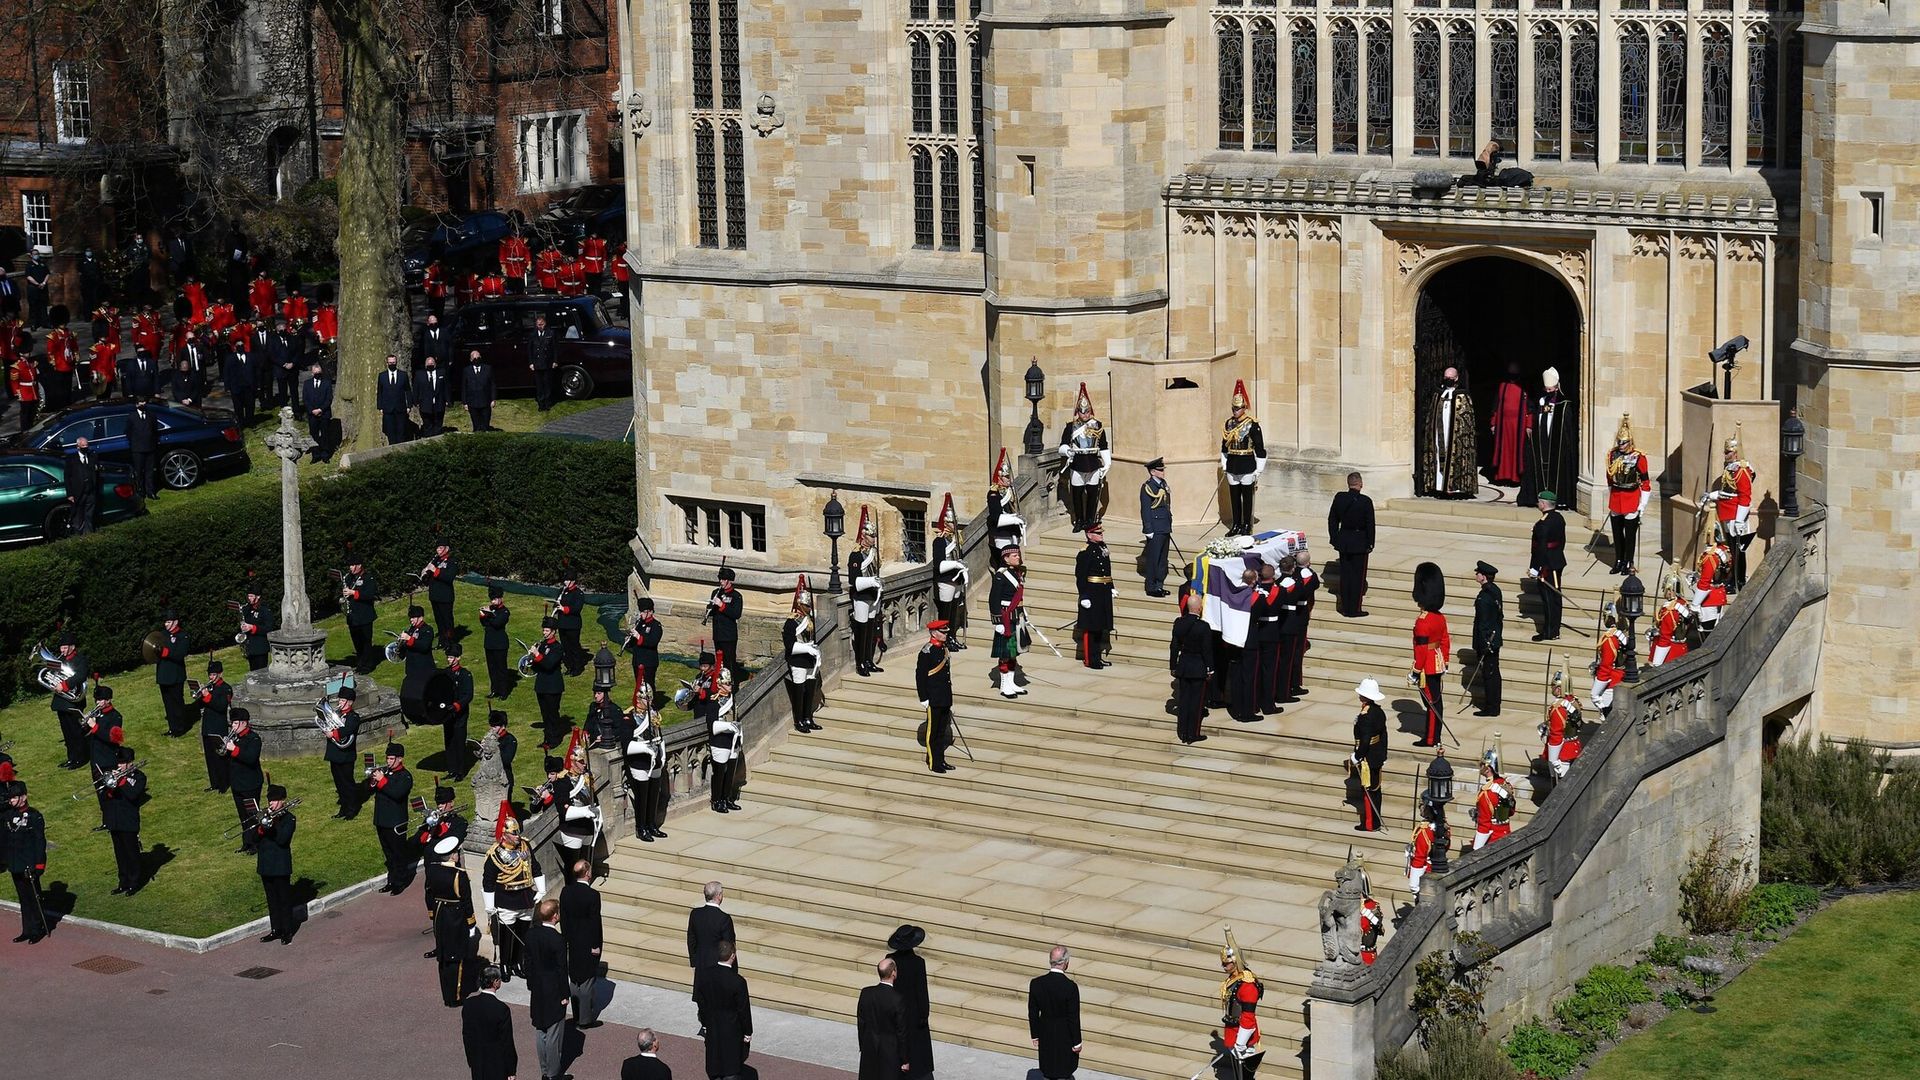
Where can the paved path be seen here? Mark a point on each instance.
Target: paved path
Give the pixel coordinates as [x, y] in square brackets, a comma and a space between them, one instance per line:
[608, 422]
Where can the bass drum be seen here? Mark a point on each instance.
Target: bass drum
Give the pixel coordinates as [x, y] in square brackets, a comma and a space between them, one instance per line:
[426, 697]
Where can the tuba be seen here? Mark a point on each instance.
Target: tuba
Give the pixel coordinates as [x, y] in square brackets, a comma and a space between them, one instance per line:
[525, 666]
[328, 719]
[53, 670]
[395, 651]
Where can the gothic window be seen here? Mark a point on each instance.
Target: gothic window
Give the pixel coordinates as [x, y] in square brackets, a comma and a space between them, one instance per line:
[1503, 56]
[1232, 120]
[1634, 55]
[1583, 94]
[922, 67]
[1762, 110]
[946, 10]
[917, 10]
[729, 54]
[949, 199]
[702, 27]
[922, 197]
[978, 88]
[1460, 78]
[1379, 88]
[1716, 97]
[1546, 91]
[949, 87]
[706, 185]
[1670, 141]
[1306, 87]
[1426, 89]
[1266, 87]
[979, 202]
[736, 165]
[1346, 88]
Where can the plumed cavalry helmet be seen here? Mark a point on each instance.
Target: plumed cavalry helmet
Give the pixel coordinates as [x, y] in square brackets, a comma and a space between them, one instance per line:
[1001, 479]
[1429, 587]
[1623, 438]
[1240, 399]
[1230, 953]
[802, 595]
[948, 523]
[1082, 404]
[868, 535]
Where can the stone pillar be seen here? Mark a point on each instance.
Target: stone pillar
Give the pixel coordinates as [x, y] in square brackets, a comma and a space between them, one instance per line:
[1341, 1046]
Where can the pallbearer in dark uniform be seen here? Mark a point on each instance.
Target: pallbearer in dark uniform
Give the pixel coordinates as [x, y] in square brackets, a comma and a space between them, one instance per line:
[1297, 620]
[549, 684]
[916, 1003]
[863, 578]
[1093, 577]
[933, 680]
[1489, 611]
[1432, 646]
[392, 785]
[569, 610]
[256, 622]
[802, 658]
[342, 754]
[643, 645]
[1006, 598]
[170, 673]
[1350, 532]
[1085, 449]
[438, 576]
[646, 764]
[950, 575]
[1369, 753]
[358, 592]
[1256, 675]
[1190, 661]
[494, 640]
[510, 883]
[1156, 522]
[244, 778]
[455, 937]
[26, 849]
[1547, 559]
[70, 699]
[124, 788]
[454, 731]
[273, 861]
[725, 743]
[1243, 457]
[724, 607]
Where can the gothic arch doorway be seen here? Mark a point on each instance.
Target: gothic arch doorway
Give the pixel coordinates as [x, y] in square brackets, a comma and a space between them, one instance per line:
[1486, 316]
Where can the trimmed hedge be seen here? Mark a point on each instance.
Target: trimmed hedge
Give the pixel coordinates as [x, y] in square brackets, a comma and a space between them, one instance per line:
[512, 506]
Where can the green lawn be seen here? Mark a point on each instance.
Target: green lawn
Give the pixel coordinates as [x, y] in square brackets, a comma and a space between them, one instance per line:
[1838, 998]
[199, 886]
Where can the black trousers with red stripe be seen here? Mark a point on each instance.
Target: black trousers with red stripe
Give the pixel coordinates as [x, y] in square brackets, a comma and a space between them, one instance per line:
[1264, 654]
[1093, 644]
[1435, 699]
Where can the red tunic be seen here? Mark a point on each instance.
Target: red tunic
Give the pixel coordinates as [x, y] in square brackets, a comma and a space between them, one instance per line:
[146, 332]
[1421, 857]
[620, 263]
[1609, 673]
[1248, 996]
[593, 254]
[493, 286]
[263, 294]
[1483, 812]
[294, 307]
[1557, 722]
[220, 316]
[1709, 570]
[196, 300]
[1432, 648]
[1664, 631]
[1727, 507]
[241, 333]
[21, 375]
[433, 281]
[61, 348]
[573, 278]
[326, 325]
[514, 256]
[105, 355]
[547, 269]
[1627, 500]
[110, 315]
[1510, 422]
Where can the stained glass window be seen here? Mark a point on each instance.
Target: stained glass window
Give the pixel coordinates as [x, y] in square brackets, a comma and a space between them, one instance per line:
[706, 185]
[729, 54]
[1426, 89]
[1634, 55]
[1232, 121]
[949, 86]
[949, 199]
[979, 202]
[736, 166]
[1583, 94]
[1546, 91]
[701, 21]
[1503, 84]
[1763, 116]
[1266, 88]
[922, 66]
[1379, 88]
[1716, 97]
[1670, 138]
[1346, 88]
[1306, 88]
[922, 197]
[1460, 79]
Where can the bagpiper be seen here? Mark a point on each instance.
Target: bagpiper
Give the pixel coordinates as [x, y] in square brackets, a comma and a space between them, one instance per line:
[1243, 457]
[863, 571]
[1007, 599]
[1670, 625]
[1710, 583]
[1088, 456]
[1006, 528]
[510, 884]
[1240, 995]
[1432, 646]
[802, 658]
[646, 764]
[1093, 578]
[1628, 489]
[1493, 808]
[1561, 731]
[949, 572]
[1732, 499]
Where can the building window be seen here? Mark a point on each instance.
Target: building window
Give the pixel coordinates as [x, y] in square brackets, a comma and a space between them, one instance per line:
[1266, 88]
[974, 160]
[552, 17]
[922, 197]
[1583, 84]
[702, 28]
[736, 165]
[913, 532]
[706, 184]
[936, 142]
[922, 74]
[1763, 117]
[1716, 97]
[949, 86]
[729, 54]
[1232, 118]
[979, 202]
[1305, 50]
[553, 151]
[1634, 57]
[36, 217]
[729, 526]
[1346, 88]
[1426, 89]
[1671, 135]
[1503, 56]
[1460, 97]
[719, 171]
[949, 199]
[72, 103]
[1546, 91]
[1379, 87]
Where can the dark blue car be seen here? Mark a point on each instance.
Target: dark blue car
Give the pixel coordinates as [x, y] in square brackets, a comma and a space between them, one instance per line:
[195, 443]
[460, 242]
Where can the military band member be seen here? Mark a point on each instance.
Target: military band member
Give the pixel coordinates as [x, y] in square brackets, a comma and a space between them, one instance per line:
[70, 699]
[105, 732]
[1628, 490]
[494, 642]
[1005, 527]
[724, 607]
[726, 744]
[863, 574]
[604, 720]
[244, 777]
[646, 764]
[438, 576]
[510, 884]
[1190, 662]
[391, 785]
[949, 574]
[124, 787]
[1489, 612]
[933, 679]
[170, 673]
[1369, 753]
[26, 848]
[1732, 499]
[273, 861]
[1093, 577]
[1007, 599]
[1493, 808]
[1432, 646]
[216, 698]
[802, 658]
[1243, 457]
[1607, 655]
[568, 612]
[1671, 623]
[455, 937]
[643, 645]
[1710, 584]
[442, 821]
[454, 731]
[1156, 522]
[358, 591]
[256, 622]
[1546, 560]
[549, 683]
[342, 753]
[416, 643]
[1563, 724]
[1088, 456]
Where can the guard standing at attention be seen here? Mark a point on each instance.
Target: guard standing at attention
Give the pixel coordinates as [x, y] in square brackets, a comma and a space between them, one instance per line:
[1089, 455]
[1006, 599]
[1547, 559]
[170, 673]
[1156, 522]
[1093, 575]
[933, 678]
[949, 574]
[1489, 610]
[1628, 489]
[1243, 457]
[802, 658]
[725, 607]
[1369, 753]
[1432, 647]
[863, 575]
[493, 639]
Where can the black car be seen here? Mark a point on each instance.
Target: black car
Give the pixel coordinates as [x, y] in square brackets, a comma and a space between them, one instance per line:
[596, 210]
[589, 351]
[33, 496]
[460, 242]
[195, 443]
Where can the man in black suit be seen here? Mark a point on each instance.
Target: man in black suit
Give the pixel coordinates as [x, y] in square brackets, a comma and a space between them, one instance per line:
[434, 342]
[143, 443]
[540, 350]
[237, 373]
[646, 1065]
[1547, 560]
[476, 392]
[486, 1030]
[316, 401]
[430, 393]
[142, 377]
[707, 926]
[916, 1002]
[547, 988]
[1053, 1017]
[1350, 532]
[283, 357]
[393, 395]
[82, 482]
[726, 1015]
[580, 925]
[880, 1024]
[1488, 613]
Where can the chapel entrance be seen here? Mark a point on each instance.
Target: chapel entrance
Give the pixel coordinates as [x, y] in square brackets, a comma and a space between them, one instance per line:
[1483, 316]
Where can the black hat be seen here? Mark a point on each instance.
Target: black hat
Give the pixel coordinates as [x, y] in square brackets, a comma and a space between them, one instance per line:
[554, 764]
[394, 749]
[454, 649]
[495, 592]
[16, 789]
[645, 603]
[353, 557]
[68, 637]
[347, 693]
[276, 793]
[1156, 463]
[549, 623]
[103, 692]
[496, 718]
[726, 573]
[907, 937]
[1485, 568]
[415, 611]
[706, 657]
[442, 793]
[238, 715]
[169, 615]
[123, 752]
[215, 667]
[1429, 587]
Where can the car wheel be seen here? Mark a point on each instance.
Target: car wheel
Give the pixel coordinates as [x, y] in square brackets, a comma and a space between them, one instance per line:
[59, 524]
[575, 383]
[180, 469]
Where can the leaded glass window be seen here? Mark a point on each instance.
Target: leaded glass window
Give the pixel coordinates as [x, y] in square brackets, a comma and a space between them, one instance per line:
[1426, 89]
[978, 88]
[1232, 122]
[949, 86]
[734, 149]
[1670, 137]
[979, 202]
[1379, 88]
[922, 67]
[922, 197]
[729, 54]
[1266, 87]
[1306, 88]
[1460, 83]
[1716, 97]
[706, 185]
[1503, 84]
[1763, 79]
[1346, 88]
[1583, 94]
[701, 21]
[1634, 56]
[917, 10]
[949, 199]
[945, 8]
[1546, 91]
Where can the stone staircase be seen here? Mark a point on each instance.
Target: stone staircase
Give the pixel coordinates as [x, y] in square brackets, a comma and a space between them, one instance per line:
[1079, 819]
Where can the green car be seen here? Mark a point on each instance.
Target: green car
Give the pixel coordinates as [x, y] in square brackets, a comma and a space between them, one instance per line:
[33, 497]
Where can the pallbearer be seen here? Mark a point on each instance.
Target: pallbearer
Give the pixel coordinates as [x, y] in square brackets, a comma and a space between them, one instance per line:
[863, 574]
[1088, 455]
[1243, 457]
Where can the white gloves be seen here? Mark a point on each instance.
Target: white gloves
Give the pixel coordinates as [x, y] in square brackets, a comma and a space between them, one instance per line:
[1086, 603]
[1223, 463]
[1644, 496]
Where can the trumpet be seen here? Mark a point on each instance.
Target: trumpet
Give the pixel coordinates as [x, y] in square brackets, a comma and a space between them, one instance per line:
[107, 779]
[539, 794]
[92, 716]
[258, 817]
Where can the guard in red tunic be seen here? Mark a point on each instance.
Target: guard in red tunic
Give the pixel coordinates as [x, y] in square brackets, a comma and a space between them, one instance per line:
[546, 268]
[146, 330]
[1669, 641]
[515, 258]
[1493, 810]
[573, 278]
[1628, 489]
[1606, 662]
[593, 259]
[1432, 648]
[1420, 848]
[493, 286]
[1240, 1021]
[1371, 921]
[295, 306]
[105, 364]
[263, 295]
[63, 352]
[1732, 499]
[620, 271]
[1562, 727]
[1710, 584]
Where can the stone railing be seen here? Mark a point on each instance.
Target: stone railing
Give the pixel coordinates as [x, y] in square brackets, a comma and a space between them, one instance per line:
[1507, 892]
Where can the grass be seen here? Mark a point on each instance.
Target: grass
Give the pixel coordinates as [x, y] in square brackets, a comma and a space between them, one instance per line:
[1835, 999]
[198, 885]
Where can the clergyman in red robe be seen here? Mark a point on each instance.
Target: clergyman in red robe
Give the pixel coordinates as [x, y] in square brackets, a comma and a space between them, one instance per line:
[1509, 425]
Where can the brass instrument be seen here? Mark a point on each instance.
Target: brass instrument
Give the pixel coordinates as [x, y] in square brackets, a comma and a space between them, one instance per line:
[107, 779]
[525, 666]
[328, 719]
[92, 716]
[258, 817]
[340, 576]
[240, 635]
[54, 670]
[394, 651]
[539, 794]
[415, 805]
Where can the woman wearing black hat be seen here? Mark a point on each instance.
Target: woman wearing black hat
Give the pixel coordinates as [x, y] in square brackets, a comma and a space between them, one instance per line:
[915, 1002]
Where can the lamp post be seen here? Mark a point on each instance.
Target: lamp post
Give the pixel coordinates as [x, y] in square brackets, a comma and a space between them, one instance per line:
[1633, 595]
[835, 527]
[1793, 444]
[1036, 389]
[603, 665]
[1439, 793]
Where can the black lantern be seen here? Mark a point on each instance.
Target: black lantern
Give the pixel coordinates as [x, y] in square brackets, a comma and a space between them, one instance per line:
[1036, 390]
[1793, 444]
[1633, 596]
[1439, 793]
[1439, 778]
[603, 669]
[834, 525]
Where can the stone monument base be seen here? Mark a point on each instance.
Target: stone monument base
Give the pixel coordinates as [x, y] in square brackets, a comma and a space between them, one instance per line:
[281, 698]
